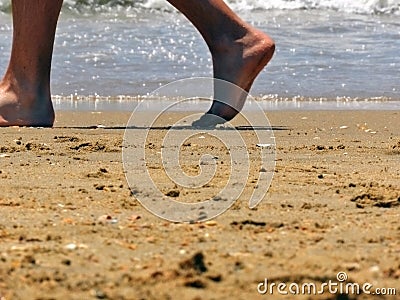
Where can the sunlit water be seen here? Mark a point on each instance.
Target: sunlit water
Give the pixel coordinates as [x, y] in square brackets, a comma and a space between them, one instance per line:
[325, 49]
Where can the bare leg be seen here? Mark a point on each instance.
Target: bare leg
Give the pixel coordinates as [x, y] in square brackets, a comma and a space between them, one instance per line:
[25, 88]
[239, 51]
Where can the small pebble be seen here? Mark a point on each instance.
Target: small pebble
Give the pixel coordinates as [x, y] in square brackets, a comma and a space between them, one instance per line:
[71, 246]
[66, 262]
[265, 145]
[134, 217]
[211, 223]
[107, 219]
[374, 269]
[352, 267]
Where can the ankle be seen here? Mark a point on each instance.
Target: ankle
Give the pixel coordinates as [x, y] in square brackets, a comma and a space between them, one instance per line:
[253, 40]
[226, 44]
[26, 90]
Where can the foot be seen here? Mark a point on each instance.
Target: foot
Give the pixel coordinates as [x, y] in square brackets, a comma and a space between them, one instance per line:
[237, 62]
[24, 108]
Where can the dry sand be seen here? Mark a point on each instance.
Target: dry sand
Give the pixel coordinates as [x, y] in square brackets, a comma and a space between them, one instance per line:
[70, 229]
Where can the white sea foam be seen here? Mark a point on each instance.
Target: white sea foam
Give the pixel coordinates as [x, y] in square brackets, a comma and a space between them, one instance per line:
[350, 6]
[347, 6]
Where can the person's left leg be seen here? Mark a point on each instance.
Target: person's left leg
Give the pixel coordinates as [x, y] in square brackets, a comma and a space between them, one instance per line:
[239, 53]
[25, 98]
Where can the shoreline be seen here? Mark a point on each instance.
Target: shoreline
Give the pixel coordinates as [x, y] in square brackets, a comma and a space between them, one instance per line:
[267, 103]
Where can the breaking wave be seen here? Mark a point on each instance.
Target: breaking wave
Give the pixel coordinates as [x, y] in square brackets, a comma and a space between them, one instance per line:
[347, 6]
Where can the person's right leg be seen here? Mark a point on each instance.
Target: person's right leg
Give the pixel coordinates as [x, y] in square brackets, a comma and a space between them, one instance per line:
[25, 88]
[239, 52]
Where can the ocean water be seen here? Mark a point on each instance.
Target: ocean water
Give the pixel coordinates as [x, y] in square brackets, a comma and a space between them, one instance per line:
[327, 49]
